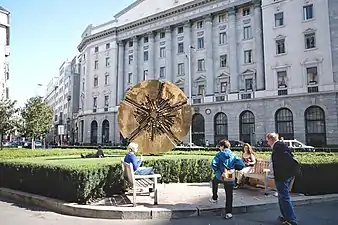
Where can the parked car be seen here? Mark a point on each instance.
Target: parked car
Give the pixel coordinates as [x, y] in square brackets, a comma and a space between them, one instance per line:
[189, 145]
[299, 145]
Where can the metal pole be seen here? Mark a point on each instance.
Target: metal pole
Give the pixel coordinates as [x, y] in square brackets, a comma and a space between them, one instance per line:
[190, 94]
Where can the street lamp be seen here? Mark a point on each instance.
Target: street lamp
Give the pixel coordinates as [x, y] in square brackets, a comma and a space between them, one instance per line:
[190, 88]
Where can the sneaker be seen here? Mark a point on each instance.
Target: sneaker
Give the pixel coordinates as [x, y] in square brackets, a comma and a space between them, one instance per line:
[281, 219]
[228, 216]
[289, 223]
[213, 201]
[236, 186]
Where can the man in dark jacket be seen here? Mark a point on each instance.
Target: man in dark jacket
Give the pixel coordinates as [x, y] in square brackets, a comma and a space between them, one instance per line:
[284, 167]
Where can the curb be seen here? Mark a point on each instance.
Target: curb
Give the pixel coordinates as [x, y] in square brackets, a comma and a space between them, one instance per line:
[143, 213]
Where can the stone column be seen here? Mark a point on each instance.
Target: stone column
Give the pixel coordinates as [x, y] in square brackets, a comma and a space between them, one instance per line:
[233, 57]
[114, 75]
[187, 44]
[138, 76]
[259, 57]
[120, 74]
[151, 56]
[210, 87]
[168, 56]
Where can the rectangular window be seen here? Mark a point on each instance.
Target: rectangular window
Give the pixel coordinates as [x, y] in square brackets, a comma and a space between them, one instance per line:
[221, 18]
[107, 61]
[310, 40]
[131, 43]
[222, 38]
[162, 35]
[106, 102]
[246, 11]
[130, 59]
[180, 47]
[199, 24]
[180, 30]
[279, 19]
[162, 72]
[201, 65]
[280, 46]
[94, 102]
[248, 84]
[312, 75]
[96, 81]
[248, 56]
[308, 12]
[281, 76]
[96, 50]
[162, 52]
[145, 74]
[96, 64]
[145, 55]
[108, 46]
[200, 43]
[130, 78]
[223, 61]
[224, 86]
[247, 33]
[106, 79]
[180, 69]
[201, 89]
[146, 39]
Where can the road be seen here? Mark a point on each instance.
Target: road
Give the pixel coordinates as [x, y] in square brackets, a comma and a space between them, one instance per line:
[12, 213]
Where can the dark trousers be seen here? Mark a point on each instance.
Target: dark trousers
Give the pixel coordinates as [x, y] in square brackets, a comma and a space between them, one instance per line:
[229, 190]
[284, 200]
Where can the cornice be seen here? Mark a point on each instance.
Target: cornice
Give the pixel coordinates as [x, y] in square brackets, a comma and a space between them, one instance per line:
[159, 16]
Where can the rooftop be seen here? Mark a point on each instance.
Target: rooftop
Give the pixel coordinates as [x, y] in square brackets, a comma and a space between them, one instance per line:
[3, 9]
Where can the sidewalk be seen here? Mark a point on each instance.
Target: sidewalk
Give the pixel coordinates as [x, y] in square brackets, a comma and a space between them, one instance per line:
[175, 201]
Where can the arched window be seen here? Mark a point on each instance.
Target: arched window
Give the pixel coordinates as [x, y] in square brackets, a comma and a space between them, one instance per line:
[247, 127]
[315, 127]
[105, 132]
[284, 123]
[93, 132]
[198, 129]
[220, 127]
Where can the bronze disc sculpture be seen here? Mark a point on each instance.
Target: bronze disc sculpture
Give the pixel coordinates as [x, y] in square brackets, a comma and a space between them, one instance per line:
[155, 115]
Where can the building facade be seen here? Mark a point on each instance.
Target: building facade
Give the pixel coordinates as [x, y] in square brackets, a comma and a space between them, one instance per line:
[62, 94]
[4, 52]
[256, 66]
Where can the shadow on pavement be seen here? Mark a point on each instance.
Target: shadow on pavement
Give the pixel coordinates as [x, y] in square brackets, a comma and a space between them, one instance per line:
[23, 206]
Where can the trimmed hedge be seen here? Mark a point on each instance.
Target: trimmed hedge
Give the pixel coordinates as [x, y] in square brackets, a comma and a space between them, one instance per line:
[64, 175]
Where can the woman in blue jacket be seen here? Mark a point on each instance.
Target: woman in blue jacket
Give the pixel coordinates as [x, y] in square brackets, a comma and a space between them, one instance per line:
[224, 165]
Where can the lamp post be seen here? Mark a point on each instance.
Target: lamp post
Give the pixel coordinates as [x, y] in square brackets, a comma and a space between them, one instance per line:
[190, 88]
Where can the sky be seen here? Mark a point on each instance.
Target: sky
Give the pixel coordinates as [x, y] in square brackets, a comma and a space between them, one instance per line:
[44, 33]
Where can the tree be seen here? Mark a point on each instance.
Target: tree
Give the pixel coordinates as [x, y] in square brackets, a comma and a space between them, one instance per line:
[7, 117]
[37, 118]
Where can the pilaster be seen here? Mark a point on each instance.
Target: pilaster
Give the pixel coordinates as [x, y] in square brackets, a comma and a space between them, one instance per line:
[168, 58]
[151, 56]
[233, 57]
[259, 57]
[210, 87]
[187, 45]
[120, 74]
[114, 75]
[138, 76]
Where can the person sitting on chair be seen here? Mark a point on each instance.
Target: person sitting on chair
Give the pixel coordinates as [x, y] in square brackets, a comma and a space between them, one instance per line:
[98, 154]
[137, 163]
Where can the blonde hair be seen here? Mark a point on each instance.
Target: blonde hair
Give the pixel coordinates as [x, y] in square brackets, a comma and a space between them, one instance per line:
[272, 136]
[133, 147]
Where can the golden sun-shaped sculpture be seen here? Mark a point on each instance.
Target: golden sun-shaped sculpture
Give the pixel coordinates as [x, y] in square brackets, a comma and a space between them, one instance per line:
[155, 115]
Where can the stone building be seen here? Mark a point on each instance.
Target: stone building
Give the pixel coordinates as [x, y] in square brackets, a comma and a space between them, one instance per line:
[256, 66]
[4, 51]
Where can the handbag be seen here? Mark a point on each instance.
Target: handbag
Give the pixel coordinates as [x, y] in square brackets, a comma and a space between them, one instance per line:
[228, 175]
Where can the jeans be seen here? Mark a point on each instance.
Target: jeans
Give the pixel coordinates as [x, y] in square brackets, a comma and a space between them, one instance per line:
[144, 171]
[229, 189]
[284, 200]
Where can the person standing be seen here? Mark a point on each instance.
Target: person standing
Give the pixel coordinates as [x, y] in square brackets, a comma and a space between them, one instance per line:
[224, 165]
[285, 168]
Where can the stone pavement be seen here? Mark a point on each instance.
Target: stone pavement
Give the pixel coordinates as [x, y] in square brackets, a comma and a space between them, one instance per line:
[175, 201]
[13, 213]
